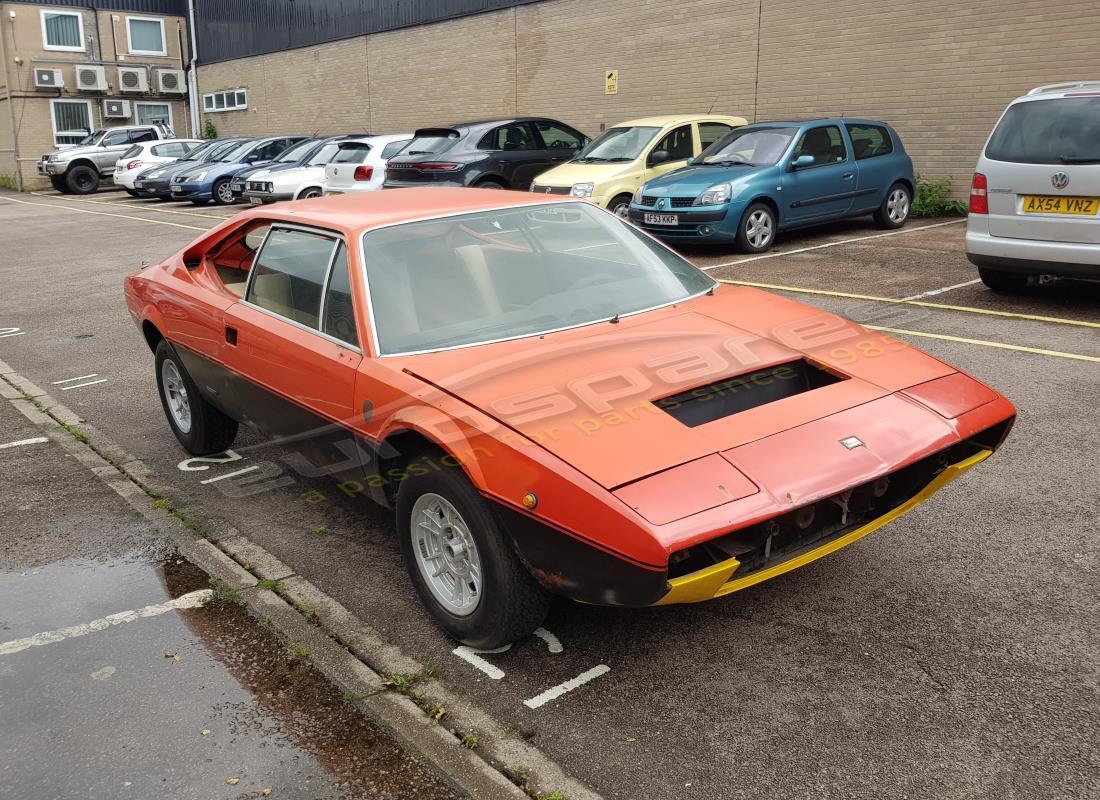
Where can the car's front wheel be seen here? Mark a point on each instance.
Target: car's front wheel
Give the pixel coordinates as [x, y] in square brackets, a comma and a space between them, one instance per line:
[1000, 281]
[895, 207]
[310, 193]
[463, 567]
[82, 180]
[620, 206]
[223, 192]
[58, 183]
[200, 428]
[756, 232]
[132, 193]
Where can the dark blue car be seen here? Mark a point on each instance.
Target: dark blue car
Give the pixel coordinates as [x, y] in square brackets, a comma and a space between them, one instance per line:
[210, 180]
[774, 176]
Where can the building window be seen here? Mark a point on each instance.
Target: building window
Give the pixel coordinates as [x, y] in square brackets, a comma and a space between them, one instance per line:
[232, 100]
[63, 30]
[72, 120]
[149, 113]
[146, 36]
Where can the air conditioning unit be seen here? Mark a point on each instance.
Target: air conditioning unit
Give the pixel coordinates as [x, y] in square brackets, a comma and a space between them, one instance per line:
[91, 78]
[48, 79]
[116, 109]
[171, 81]
[131, 79]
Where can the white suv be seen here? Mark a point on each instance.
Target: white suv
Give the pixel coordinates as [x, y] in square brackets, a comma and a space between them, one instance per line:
[1035, 199]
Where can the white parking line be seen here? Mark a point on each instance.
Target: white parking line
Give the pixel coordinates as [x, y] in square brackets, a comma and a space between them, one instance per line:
[7, 332]
[230, 475]
[81, 378]
[190, 600]
[553, 643]
[471, 657]
[80, 385]
[554, 693]
[832, 244]
[935, 292]
[22, 442]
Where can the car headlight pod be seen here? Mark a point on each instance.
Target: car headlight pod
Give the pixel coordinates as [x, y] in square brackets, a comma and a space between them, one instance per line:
[582, 189]
[720, 193]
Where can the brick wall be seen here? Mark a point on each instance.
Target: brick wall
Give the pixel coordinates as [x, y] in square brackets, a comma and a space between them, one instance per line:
[940, 71]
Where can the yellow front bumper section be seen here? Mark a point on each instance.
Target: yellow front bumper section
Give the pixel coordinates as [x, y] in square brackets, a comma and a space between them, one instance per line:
[716, 580]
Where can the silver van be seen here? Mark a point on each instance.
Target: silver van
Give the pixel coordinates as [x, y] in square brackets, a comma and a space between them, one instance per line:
[1035, 198]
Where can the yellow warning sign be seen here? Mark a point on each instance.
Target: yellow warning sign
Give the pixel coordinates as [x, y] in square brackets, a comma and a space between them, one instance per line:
[611, 81]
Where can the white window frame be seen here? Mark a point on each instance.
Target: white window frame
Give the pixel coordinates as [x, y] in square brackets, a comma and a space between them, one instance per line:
[60, 13]
[53, 116]
[130, 41]
[153, 103]
[209, 105]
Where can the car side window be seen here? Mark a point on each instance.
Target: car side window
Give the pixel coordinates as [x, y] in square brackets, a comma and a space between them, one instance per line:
[825, 144]
[711, 132]
[555, 137]
[116, 138]
[170, 150]
[143, 135]
[677, 143]
[339, 312]
[288, 277]
[510, 137]
[270, 150]
[869, 141]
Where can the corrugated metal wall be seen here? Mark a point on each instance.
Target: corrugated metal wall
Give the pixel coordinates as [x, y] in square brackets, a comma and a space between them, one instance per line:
[177, 8]
[230, 29]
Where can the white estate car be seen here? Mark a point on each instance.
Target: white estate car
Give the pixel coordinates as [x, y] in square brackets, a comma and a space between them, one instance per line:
[147, 154]
[1035, 199]
[360, 166]
[285, 182]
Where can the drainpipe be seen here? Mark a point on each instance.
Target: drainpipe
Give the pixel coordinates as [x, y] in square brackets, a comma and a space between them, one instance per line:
[11, 110]
[193, 73]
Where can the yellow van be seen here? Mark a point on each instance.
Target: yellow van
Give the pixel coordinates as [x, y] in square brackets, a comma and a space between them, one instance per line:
[622, 158]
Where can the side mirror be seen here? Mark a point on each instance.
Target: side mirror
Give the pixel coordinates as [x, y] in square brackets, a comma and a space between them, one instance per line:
[691, 161]
[658, 157]
[802, 161]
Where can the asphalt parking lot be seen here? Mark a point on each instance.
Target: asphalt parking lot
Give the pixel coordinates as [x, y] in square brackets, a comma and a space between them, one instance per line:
[953, 654]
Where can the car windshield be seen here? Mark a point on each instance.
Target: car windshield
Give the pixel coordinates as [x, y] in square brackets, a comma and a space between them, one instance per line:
[235, 153]
[1059, 131]
[754, 147]
[617, 144]
[431, 142]
[91, 138]
[324, 154]
[296, 152]
[219, 149]
[514, 272]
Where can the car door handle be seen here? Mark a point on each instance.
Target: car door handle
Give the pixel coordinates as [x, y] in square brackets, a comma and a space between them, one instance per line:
[231, 335]
[848, 176]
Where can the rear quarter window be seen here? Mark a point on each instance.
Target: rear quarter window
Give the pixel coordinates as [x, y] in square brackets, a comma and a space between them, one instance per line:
[289, 274]
[869, 141]
[1062, 130]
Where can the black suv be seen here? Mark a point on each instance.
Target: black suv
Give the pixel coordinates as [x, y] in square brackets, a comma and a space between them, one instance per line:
[491, 154]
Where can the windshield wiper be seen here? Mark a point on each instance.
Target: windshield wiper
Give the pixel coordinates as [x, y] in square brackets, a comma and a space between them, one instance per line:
[590, 159]
[728, 163]
[1079, 159]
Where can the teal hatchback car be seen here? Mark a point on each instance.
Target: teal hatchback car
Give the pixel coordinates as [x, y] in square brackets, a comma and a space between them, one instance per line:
[773, 176]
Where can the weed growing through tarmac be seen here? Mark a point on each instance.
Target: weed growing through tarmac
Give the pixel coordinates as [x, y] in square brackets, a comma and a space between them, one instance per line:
[225, 594]
[300, 651]
[320, 530]
[270, 585]
[522, 778]
[470, 741]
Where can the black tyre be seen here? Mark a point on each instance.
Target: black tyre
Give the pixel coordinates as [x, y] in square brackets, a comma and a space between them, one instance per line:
[222, 193]
[895, 207]
[756, 231]
[489, 183]
[464, 569]
[620, 206]
[131, 192]
[82, 179]
[58, 183]
[1000, 281]
[310, 193]
[201, 428]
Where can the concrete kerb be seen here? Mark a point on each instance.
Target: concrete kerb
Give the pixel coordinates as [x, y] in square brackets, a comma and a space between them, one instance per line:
[340, 645]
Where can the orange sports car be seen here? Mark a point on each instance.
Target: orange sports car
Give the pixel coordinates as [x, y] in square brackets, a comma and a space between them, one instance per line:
[552, 401]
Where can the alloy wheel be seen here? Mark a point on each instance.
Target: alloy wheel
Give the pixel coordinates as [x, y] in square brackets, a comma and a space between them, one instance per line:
[446, 554]
[225, 193]
[897, 205]
[175, 392]
[759, 228]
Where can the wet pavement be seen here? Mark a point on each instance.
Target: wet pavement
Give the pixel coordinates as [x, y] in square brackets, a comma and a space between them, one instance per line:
[183, 703]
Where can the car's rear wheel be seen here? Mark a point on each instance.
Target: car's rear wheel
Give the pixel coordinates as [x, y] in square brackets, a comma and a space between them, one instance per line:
[756, 232]
[310, 193]
[1000, 281]
[200, 428]
[58, 183]
[620, 206]
[223, 192]
[464, 569]
[82, 180]
[895, 207]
